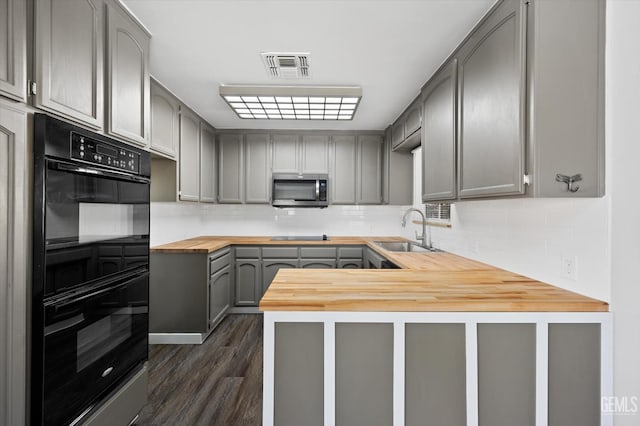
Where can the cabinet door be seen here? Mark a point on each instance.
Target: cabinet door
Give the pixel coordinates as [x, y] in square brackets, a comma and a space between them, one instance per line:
[413, 119]
[397, 132]
[258, 169]
[208, 164]
[491, 102]
[369, 180]
[219, 294]
[248, 282]
[128, 76]
[318, 264]
[230, 169]
[69, 50]
[350, 264]
[315, 154]
[343, 183]
[271, 267]
[165, 121]
[286, 157]
[189, 156]
[13, 264]
[13, 49]
[439, 136]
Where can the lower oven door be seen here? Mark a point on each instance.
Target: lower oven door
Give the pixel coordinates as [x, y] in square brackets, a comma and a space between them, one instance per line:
[92, 340]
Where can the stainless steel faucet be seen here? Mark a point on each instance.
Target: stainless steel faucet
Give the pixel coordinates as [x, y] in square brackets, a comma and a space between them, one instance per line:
[426, 238]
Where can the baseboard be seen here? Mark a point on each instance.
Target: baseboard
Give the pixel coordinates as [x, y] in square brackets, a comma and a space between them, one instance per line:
[244, 310]
[176, 338]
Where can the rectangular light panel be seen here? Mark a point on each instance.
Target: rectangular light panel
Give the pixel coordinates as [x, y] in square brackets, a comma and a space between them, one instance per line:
[292, 102]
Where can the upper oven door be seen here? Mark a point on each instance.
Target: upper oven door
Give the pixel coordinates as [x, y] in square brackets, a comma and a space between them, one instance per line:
[96, 224]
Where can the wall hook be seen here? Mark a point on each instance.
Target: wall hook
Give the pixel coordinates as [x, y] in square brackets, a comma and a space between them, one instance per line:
[569, 180]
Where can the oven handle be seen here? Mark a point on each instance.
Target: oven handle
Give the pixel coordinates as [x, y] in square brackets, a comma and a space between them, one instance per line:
[101, 290]
[90, 171]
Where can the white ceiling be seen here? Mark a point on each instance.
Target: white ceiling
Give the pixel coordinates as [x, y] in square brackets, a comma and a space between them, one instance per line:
[388, 47]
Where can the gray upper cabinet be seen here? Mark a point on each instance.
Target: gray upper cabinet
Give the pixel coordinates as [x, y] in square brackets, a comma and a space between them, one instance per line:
[128, 112]
[13, 49]
[69, 51]
[369, 182]
[300, 154]
[315, 154]
[439, 136]
[342, 187]
[189, 156]
[412, 119]
[397, 186]
[397, 133]
[286, 153]
[165, 121]
[492, 105]
[257, 168]
[230, 168]
[208, 164]
[566, 105]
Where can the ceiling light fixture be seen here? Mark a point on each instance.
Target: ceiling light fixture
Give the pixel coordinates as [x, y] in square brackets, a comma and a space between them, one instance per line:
[292, 102]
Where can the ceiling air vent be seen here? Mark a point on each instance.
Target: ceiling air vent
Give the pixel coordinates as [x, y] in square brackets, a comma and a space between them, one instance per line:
[287, 65]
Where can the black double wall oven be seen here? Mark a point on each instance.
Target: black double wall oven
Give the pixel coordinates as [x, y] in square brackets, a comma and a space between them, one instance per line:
[90, 293]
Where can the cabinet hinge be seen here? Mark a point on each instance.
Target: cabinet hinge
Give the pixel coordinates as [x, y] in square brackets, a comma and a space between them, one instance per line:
[526, 179]
[33, 88]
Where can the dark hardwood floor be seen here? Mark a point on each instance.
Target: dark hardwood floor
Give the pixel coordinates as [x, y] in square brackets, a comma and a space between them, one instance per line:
[216, 383]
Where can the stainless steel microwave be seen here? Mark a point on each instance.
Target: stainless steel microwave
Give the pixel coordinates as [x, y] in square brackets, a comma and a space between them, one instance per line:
[294, 190]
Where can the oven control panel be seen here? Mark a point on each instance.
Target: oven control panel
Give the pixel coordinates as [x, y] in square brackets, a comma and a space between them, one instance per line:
[98, 152]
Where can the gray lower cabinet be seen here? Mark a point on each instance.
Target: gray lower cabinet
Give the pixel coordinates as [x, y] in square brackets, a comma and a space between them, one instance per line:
[318, 263]
[230, 168]
[270, 268]
[208, 164]
[68, 61]
[219, 293]
[248, 288]
[257, 183]
[128, 80]
[492, 105]
[13, 264]
[189, 292]
[439, 135]
[165, 121]
[13, 49]
[189, 162]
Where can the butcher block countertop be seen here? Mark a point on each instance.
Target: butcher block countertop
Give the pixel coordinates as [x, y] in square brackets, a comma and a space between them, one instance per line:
[428, 282]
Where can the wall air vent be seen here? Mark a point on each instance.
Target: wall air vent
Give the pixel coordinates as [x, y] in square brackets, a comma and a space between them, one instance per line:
[287, 65]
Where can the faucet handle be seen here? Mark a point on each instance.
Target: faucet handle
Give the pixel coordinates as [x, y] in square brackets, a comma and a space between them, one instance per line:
[418, 236]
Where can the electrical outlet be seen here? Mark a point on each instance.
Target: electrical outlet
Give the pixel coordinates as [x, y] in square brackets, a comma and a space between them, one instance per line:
[569, 267]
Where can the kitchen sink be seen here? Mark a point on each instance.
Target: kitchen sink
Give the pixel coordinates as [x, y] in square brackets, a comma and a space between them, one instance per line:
[406, 247]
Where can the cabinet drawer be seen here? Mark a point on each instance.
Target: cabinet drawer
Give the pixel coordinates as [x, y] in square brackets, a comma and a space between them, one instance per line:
[318, 252]
[248, 252]
[217, 263]
[350, 252]
[280, 252]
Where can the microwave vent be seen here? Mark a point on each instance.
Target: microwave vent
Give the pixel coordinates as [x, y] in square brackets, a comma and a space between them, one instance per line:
[287, 65]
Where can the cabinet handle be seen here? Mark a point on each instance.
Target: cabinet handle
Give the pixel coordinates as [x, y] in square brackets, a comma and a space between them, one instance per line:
[569, 180]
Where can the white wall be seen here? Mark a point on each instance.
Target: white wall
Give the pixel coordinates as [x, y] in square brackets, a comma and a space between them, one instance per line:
[623, 131]
[175, 221]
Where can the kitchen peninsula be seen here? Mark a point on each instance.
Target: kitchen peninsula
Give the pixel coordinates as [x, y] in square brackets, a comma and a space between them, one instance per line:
[448, 339]
[442, 337]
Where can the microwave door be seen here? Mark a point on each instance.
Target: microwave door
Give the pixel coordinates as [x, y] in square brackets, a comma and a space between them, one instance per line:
[296, 190]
